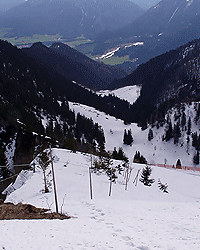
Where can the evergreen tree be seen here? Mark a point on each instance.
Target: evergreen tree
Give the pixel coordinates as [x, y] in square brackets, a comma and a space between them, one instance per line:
[169, 131]
[178, 163]
[138, 158]
[162, 187]
[120, 155]
[197, 113]
[183, 120]
[128, 138]
[115, 154]
[150, 134]
[196, 158]
[189, 126]
[146, 172]
[194, 140]
[177, 133]
[125, 137]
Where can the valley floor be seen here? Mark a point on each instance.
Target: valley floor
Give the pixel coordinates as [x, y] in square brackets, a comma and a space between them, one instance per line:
[141, 218]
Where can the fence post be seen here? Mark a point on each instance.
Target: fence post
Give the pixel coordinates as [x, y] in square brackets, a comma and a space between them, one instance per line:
[54, 182]
[90, 176]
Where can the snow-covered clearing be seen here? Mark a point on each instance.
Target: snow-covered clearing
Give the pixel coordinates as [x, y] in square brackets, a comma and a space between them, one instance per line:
[155, 151]
[141, 218]
[129, 93]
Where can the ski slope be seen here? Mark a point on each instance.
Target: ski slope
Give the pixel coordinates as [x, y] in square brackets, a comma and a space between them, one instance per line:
[141, 218]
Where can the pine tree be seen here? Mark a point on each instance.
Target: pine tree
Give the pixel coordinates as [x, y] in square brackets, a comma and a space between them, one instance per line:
[128, 138]
[146, 172]
[196, 158]
[177, 133]
[183, 120]
[194, 139]
[150, 134]
[169, 131]
[178, 163]
[115, 154]
[136, 158]
[125, 137]
[162, 187]
[189, 126]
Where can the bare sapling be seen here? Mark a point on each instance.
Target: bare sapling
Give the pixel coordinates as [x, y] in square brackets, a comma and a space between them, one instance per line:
[63, 203]
[128, 175]
[136, 178]
[103, 165]
[44, 160]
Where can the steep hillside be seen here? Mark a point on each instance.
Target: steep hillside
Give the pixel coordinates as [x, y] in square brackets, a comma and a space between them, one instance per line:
[69, 18]
[34, 108]
[167, 80]
[76, 66]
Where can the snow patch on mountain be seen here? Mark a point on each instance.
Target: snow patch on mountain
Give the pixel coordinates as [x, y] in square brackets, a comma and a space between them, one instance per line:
[128, 93]
[10, 152]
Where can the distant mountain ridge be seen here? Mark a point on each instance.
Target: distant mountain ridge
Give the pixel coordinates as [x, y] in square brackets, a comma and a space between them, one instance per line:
[162, 28]
[75, 65]
[70, 18]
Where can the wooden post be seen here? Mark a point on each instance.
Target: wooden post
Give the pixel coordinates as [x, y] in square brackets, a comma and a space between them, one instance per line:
[90, 177]
[110, 188]
[54, 182]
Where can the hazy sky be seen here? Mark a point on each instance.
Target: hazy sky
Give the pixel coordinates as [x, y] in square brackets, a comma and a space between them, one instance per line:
[146, 3]
[143, 3]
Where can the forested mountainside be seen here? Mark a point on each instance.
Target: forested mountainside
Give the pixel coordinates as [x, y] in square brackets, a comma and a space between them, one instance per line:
[69, 18]
[76, 66]
[34, 98]
[166, 80]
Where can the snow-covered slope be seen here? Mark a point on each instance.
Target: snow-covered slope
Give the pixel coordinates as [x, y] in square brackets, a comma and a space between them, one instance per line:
[141, 218]
[154, 151]
[129, 93]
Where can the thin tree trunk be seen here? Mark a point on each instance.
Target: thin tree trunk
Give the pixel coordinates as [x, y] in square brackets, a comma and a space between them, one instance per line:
[46, 190]
[90, 177]
[110, 189]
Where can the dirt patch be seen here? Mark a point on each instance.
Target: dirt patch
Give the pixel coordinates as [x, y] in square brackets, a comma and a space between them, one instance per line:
[10, 211]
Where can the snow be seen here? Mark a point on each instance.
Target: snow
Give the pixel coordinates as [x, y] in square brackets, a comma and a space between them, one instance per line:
[154, 151]
[141, 218]
[109, 54]
[10, 152]
[129, 93]
[134, 44]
